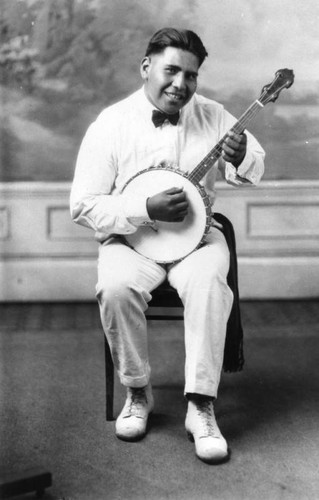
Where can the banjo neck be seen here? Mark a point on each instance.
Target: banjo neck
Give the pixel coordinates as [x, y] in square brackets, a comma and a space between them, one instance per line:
[210, 159]
[283, 79]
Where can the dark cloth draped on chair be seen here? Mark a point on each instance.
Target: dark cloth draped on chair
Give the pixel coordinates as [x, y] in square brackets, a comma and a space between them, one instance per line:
[234, 352]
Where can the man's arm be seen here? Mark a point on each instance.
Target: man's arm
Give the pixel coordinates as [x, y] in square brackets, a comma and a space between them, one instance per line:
[92, 201]
[243, 157]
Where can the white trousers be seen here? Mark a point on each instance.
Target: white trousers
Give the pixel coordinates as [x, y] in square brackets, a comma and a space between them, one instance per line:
[125, 282]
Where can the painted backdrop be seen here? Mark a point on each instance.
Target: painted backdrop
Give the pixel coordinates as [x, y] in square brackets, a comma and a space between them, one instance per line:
[62, 61]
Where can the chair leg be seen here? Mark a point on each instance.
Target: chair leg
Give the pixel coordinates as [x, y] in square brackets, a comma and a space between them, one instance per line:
[109, 381]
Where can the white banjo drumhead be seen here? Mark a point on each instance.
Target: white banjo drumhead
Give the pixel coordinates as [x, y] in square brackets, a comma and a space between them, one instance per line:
[168, 241]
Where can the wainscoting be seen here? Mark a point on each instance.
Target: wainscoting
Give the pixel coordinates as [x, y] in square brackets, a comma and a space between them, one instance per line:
[44, 256]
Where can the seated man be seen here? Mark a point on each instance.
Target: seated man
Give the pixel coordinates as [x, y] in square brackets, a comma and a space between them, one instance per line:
[121, 142]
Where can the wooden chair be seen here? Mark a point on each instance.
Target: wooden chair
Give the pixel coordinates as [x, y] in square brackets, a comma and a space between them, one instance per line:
[165, 297]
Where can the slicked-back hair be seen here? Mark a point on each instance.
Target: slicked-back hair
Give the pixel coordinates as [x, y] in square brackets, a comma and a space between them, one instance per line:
[178, 38]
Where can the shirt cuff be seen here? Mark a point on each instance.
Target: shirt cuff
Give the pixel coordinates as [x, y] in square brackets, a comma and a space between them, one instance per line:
[246, 165]
[242, 174]
[135, 211]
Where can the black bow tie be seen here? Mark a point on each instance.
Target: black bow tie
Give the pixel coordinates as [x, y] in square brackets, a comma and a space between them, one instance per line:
[158, 118]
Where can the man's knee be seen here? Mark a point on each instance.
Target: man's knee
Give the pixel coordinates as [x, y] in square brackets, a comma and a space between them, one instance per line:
[120, 292]
[112, 292]
[209, 274]
[214, 265]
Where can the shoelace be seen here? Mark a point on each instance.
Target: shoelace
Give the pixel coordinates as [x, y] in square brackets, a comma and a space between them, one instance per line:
[206, 413]
[138, 401]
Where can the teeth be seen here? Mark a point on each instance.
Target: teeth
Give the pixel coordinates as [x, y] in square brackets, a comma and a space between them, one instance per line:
[175, 96]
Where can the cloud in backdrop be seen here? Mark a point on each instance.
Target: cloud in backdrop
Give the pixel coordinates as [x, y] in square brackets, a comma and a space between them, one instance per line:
[249, 40]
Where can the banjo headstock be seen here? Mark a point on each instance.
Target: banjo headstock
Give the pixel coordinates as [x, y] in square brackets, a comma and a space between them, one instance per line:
[284, 78]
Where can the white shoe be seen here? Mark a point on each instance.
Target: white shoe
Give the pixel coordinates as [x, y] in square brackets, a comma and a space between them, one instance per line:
[131, 424]
[202, 428]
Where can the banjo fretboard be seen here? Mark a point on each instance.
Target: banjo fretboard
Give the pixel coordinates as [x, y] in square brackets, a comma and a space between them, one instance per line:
[284, 79]
[206, 164]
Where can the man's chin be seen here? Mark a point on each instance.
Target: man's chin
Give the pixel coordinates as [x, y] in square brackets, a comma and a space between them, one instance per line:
[173, 107]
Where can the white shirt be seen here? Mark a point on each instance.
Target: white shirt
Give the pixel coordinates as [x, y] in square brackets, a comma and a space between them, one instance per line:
[123, 140]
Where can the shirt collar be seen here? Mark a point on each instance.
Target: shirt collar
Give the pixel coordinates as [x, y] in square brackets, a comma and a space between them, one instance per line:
[146, 105]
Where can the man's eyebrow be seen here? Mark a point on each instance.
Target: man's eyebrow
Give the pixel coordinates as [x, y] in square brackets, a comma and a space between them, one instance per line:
[174, 66]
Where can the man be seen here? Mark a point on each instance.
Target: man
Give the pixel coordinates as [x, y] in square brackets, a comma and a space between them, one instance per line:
[122, 141]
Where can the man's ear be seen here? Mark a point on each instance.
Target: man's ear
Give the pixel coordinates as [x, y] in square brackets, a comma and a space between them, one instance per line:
[145, 66]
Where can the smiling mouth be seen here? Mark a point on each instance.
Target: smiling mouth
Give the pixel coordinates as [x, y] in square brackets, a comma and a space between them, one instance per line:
[175, 97]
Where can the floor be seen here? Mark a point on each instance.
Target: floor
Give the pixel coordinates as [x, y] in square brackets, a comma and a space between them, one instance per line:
[53, 413]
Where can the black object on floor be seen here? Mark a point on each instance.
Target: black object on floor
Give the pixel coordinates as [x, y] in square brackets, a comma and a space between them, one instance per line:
[35, 479]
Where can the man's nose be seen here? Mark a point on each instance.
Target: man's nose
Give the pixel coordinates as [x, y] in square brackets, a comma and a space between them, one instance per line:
[179, 81]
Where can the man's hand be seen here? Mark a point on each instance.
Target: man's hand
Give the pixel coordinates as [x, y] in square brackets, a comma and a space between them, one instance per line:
[234, 148]
[170, 205]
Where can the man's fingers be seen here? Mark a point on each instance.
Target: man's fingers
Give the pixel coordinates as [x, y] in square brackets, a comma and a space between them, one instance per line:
[173, 190]
[228, 149]
[236, 141]
[178, 199]
[179, 211]
[180, 216]
[182, 207]
[234, 145]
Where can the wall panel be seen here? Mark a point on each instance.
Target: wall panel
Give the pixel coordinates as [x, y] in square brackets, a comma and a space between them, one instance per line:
[45, 256]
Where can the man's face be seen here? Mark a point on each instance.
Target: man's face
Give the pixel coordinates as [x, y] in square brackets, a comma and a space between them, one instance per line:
[170, 78]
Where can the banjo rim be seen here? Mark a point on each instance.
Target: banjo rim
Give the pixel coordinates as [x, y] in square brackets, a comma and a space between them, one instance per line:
[206, 216]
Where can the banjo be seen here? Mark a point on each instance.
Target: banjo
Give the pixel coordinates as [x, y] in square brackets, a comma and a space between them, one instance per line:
[167, 242]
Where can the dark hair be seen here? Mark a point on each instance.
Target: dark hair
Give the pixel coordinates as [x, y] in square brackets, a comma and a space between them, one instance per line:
[181, 39]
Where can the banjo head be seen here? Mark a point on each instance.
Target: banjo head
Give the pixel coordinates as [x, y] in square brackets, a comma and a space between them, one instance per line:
[168, 242]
